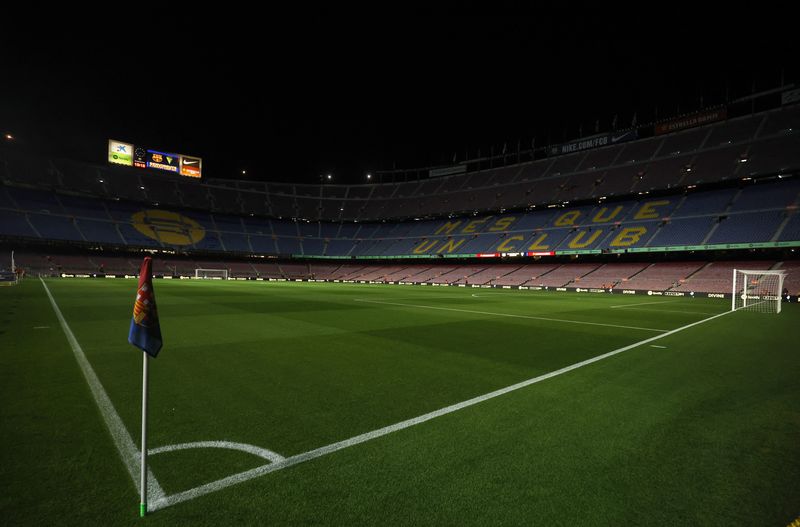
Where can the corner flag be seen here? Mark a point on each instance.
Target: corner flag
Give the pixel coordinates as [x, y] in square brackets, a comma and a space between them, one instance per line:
[145, 332]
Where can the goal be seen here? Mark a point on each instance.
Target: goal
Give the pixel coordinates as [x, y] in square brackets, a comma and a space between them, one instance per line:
[211, 274]
[758, 291]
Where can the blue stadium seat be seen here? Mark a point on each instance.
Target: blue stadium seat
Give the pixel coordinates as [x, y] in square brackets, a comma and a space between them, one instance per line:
[55, 227]
[235, 242]
[747, 227]
[99, 231]
[15, 224]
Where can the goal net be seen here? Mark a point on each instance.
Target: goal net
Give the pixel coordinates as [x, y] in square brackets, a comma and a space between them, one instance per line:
[211, 274]
[759, 291]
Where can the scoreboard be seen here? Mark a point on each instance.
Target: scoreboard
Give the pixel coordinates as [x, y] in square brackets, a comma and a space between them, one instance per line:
[138, 156]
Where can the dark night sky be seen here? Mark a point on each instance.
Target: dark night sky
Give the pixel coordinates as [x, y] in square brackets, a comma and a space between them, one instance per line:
[289, 98]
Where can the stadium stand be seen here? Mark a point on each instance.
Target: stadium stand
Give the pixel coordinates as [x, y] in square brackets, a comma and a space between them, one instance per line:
[701, 155]
[661, 276]
[488, 275]
[608, 276]
[637, 196]
[563, 275]
[755, 213]
[792, 281]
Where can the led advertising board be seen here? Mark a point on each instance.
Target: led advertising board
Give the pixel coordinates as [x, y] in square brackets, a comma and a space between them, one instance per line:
[139, 156]
[120, 153]
[163, 161]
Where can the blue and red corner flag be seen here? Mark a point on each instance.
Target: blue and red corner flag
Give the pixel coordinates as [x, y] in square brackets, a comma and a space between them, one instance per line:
[145, 332]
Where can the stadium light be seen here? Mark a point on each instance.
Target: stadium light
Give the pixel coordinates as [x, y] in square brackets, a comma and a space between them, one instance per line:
[9, 137]
[101, 180]
[369, 176]
[141, 188]
[329, 177]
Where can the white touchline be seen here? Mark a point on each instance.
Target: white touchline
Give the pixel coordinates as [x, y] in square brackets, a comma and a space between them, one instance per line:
[122, 439]
[531, 317]
[654, 346]
[380, 432]
[643, 304]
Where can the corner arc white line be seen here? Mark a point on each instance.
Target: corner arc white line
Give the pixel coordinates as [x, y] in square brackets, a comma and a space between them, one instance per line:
[511, 315]
[230, 445]
[122, 439]
[247, 475]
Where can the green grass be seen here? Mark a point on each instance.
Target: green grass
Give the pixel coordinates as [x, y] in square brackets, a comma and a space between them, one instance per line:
[702, 432]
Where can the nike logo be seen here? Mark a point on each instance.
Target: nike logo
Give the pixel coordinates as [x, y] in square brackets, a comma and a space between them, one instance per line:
[615, 138]
[190, 161]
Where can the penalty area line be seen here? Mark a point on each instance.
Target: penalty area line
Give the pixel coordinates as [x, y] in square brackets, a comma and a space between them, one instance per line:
[122, 439]
[247, 475]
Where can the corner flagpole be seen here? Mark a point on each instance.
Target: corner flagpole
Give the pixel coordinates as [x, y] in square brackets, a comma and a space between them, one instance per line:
[145, 334]
[143, 477]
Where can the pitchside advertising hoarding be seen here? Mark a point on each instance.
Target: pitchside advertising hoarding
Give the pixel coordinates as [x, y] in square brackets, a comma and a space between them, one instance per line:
[127, 154]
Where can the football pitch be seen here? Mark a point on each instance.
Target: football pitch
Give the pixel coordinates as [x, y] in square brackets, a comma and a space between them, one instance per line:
[277, 403]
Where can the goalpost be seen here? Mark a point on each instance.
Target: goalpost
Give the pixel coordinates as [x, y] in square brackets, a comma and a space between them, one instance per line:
[211, 274]
[759, 291]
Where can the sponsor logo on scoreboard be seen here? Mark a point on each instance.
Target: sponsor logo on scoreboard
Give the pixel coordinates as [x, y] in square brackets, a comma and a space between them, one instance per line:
[120, 153]
[191, 166]
[162, 161]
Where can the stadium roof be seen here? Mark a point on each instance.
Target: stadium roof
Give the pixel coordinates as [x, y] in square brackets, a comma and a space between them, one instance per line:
[298, 98]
